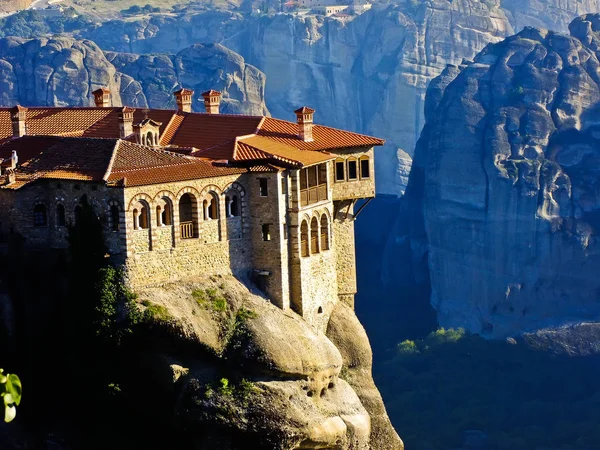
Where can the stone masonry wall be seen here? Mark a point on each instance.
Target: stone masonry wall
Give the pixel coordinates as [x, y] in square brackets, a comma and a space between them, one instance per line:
[267, 254]
[344, 245]
[222, 245]
[359, 188]
[18, 206]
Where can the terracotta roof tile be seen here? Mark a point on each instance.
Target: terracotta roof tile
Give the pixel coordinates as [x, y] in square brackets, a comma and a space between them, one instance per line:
[283, 152]
[325, 138]
[110, 160]
[209, 130]
[5, 124]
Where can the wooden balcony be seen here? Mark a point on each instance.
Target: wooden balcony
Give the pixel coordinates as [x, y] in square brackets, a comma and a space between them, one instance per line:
[313, 194]
[187, 230]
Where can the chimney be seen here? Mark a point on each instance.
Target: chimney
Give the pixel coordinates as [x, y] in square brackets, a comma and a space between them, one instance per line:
[102, 97]
[14, 160]
[18, 114]
[304, 117]
[126, 121]
[212, 100]
[183, 97]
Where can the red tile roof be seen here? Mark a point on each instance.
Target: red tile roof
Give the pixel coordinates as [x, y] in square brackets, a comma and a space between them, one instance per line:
[215, 136]
[111, 160]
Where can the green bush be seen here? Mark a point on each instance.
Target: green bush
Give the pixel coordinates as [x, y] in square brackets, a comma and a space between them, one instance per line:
[210, 298]
[156, 313]
[10, 391]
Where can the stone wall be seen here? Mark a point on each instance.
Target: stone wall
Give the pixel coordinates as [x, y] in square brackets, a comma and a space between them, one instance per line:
[343, 230]
[362, 187]
[219, 245]
[269, 245]
[19, 205]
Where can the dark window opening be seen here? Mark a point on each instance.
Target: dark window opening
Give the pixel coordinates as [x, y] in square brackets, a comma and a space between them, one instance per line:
[285, 232]
[60, 216]
[187, 222]
[340, 174]
[39, 216]
[352, 170]
[235, 206]
[314, 236]
[264, 190]
[324, 233]
[320, 310]
[78, 210]
[364, 168]
[304, 239]
[144, 218]
[114, 218]
[266, 233]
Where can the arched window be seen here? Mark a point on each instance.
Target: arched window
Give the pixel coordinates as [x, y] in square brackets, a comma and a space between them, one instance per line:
[167, 213]
[115, 219]
[144, 222]
[39, 216]
[149, 139]
[159, 221]
[304, 239]
[213, 212]
[187, 217]
[352, 169]
[314, 235]
[324, 233]
[235, 206]
[60, 216]
[136, 219]
[365, 169]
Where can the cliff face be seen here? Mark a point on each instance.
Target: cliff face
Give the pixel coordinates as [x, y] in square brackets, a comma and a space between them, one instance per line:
[300, 390]
[14, 5]
[506, 171]
[64, 71]
[367, 74]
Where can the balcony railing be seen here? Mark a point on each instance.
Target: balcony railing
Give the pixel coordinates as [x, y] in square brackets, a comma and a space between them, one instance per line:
[313, 194]
[187, 230]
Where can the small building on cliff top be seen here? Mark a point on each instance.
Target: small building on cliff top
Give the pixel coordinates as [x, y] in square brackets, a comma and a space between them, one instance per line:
[182, 194]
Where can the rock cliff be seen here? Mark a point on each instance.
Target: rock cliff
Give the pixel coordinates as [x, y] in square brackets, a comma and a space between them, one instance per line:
[504, 186]
[287, 386]
[14, 5]
[63, 71]
[368, 73]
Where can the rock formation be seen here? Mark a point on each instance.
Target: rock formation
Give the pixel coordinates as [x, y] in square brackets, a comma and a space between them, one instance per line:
[300, 389]
[14, 5]
[504, 186]
[368, 74]
[64, 71]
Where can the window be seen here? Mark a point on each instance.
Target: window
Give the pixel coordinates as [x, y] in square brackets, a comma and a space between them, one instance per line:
[187, 221]
[324, 233]
[60, 216]
[364, 167]
[264, 190]
[114, 218]
[212, 209]
[235, 206]
[285, 231]
[352, 169]
[283, 190]
[144, 218]
[314, 235]
[39, 216]
[304, 239]
[266, 234]
[167, 213]
[78, 211]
